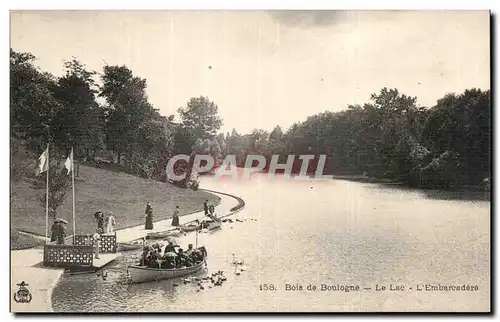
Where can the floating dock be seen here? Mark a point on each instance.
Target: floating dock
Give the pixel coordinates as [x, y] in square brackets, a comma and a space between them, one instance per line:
[104, 259]
[98, 263]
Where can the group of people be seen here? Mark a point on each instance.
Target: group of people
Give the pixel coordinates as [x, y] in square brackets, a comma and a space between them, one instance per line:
[175, 217]
[105, 223]
[58, 231]
[153, 257]
[208, 209]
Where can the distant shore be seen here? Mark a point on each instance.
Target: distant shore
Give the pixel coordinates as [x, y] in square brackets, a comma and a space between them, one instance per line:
[362, 178]
[375, 180]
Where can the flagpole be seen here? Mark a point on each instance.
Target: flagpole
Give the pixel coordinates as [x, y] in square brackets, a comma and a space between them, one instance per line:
[47, 198]
[73, 182]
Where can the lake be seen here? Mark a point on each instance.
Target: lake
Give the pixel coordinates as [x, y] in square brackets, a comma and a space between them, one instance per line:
[313, 232]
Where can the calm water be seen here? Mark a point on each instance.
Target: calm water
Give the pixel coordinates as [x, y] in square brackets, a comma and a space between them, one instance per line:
[318, 232]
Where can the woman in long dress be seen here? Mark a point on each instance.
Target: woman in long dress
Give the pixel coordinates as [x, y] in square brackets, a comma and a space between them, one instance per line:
[62, 233]
[55, 230]
[110, 225]
[99, 216]
[149, 217]
[175, 218]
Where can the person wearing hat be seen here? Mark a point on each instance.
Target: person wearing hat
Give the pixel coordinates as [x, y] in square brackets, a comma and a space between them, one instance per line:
[175, 217]
[149, 217]
[110, 225]
[205, 207]
[55, 229]
[61, 235]
[180, 260]
[189, 256]
[145, 257]
[99, 216]
[170, 247]
[197, 256]
[169, 262]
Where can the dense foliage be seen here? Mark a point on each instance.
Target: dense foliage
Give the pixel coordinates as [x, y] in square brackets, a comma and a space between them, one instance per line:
[111, 124]
[108, 119]
[390, 137]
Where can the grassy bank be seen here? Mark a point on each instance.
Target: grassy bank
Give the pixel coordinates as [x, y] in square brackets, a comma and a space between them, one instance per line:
[22, 241]
[96, 189]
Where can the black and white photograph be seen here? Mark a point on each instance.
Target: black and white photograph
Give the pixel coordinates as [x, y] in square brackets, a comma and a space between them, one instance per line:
[250, 161]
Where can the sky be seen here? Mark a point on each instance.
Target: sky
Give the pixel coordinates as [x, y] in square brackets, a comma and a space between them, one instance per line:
[268, 68]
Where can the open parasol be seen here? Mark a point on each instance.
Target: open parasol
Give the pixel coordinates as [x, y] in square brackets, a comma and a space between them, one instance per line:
[170, 254]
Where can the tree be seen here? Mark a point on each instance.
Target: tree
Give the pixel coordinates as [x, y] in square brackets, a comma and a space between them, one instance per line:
[183, 140]
[94, 140]
[209, 147]
[276, 134]
[393, 123]
[134, 128]
[200, 118]
[21, 160]
[33, 105]
[153, 142]
[126, 98]
[236, 146]
[388, 137]
[79, 121]
[459, 126]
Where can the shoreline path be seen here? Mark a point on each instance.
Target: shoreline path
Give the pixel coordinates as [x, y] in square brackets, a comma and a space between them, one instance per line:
[27, 266]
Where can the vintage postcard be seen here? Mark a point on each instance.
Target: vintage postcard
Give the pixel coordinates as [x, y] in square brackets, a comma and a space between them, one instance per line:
[250, 161]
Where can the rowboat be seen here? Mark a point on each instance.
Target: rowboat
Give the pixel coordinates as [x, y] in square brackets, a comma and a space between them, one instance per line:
[190, 226]
[163, 234]
[138, 274]
[124, 247]
[210, 224]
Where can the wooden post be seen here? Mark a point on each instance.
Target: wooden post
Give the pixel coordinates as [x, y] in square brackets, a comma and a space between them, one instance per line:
[47, 199]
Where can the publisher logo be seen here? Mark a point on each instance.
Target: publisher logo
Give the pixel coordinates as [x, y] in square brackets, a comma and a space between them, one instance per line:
[22, 295]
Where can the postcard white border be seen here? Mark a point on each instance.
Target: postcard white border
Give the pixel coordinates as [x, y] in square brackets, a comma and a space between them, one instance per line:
[190, 4]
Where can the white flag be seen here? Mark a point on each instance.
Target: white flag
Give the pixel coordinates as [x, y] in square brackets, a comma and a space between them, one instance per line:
[69, 162]
[43, 162]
